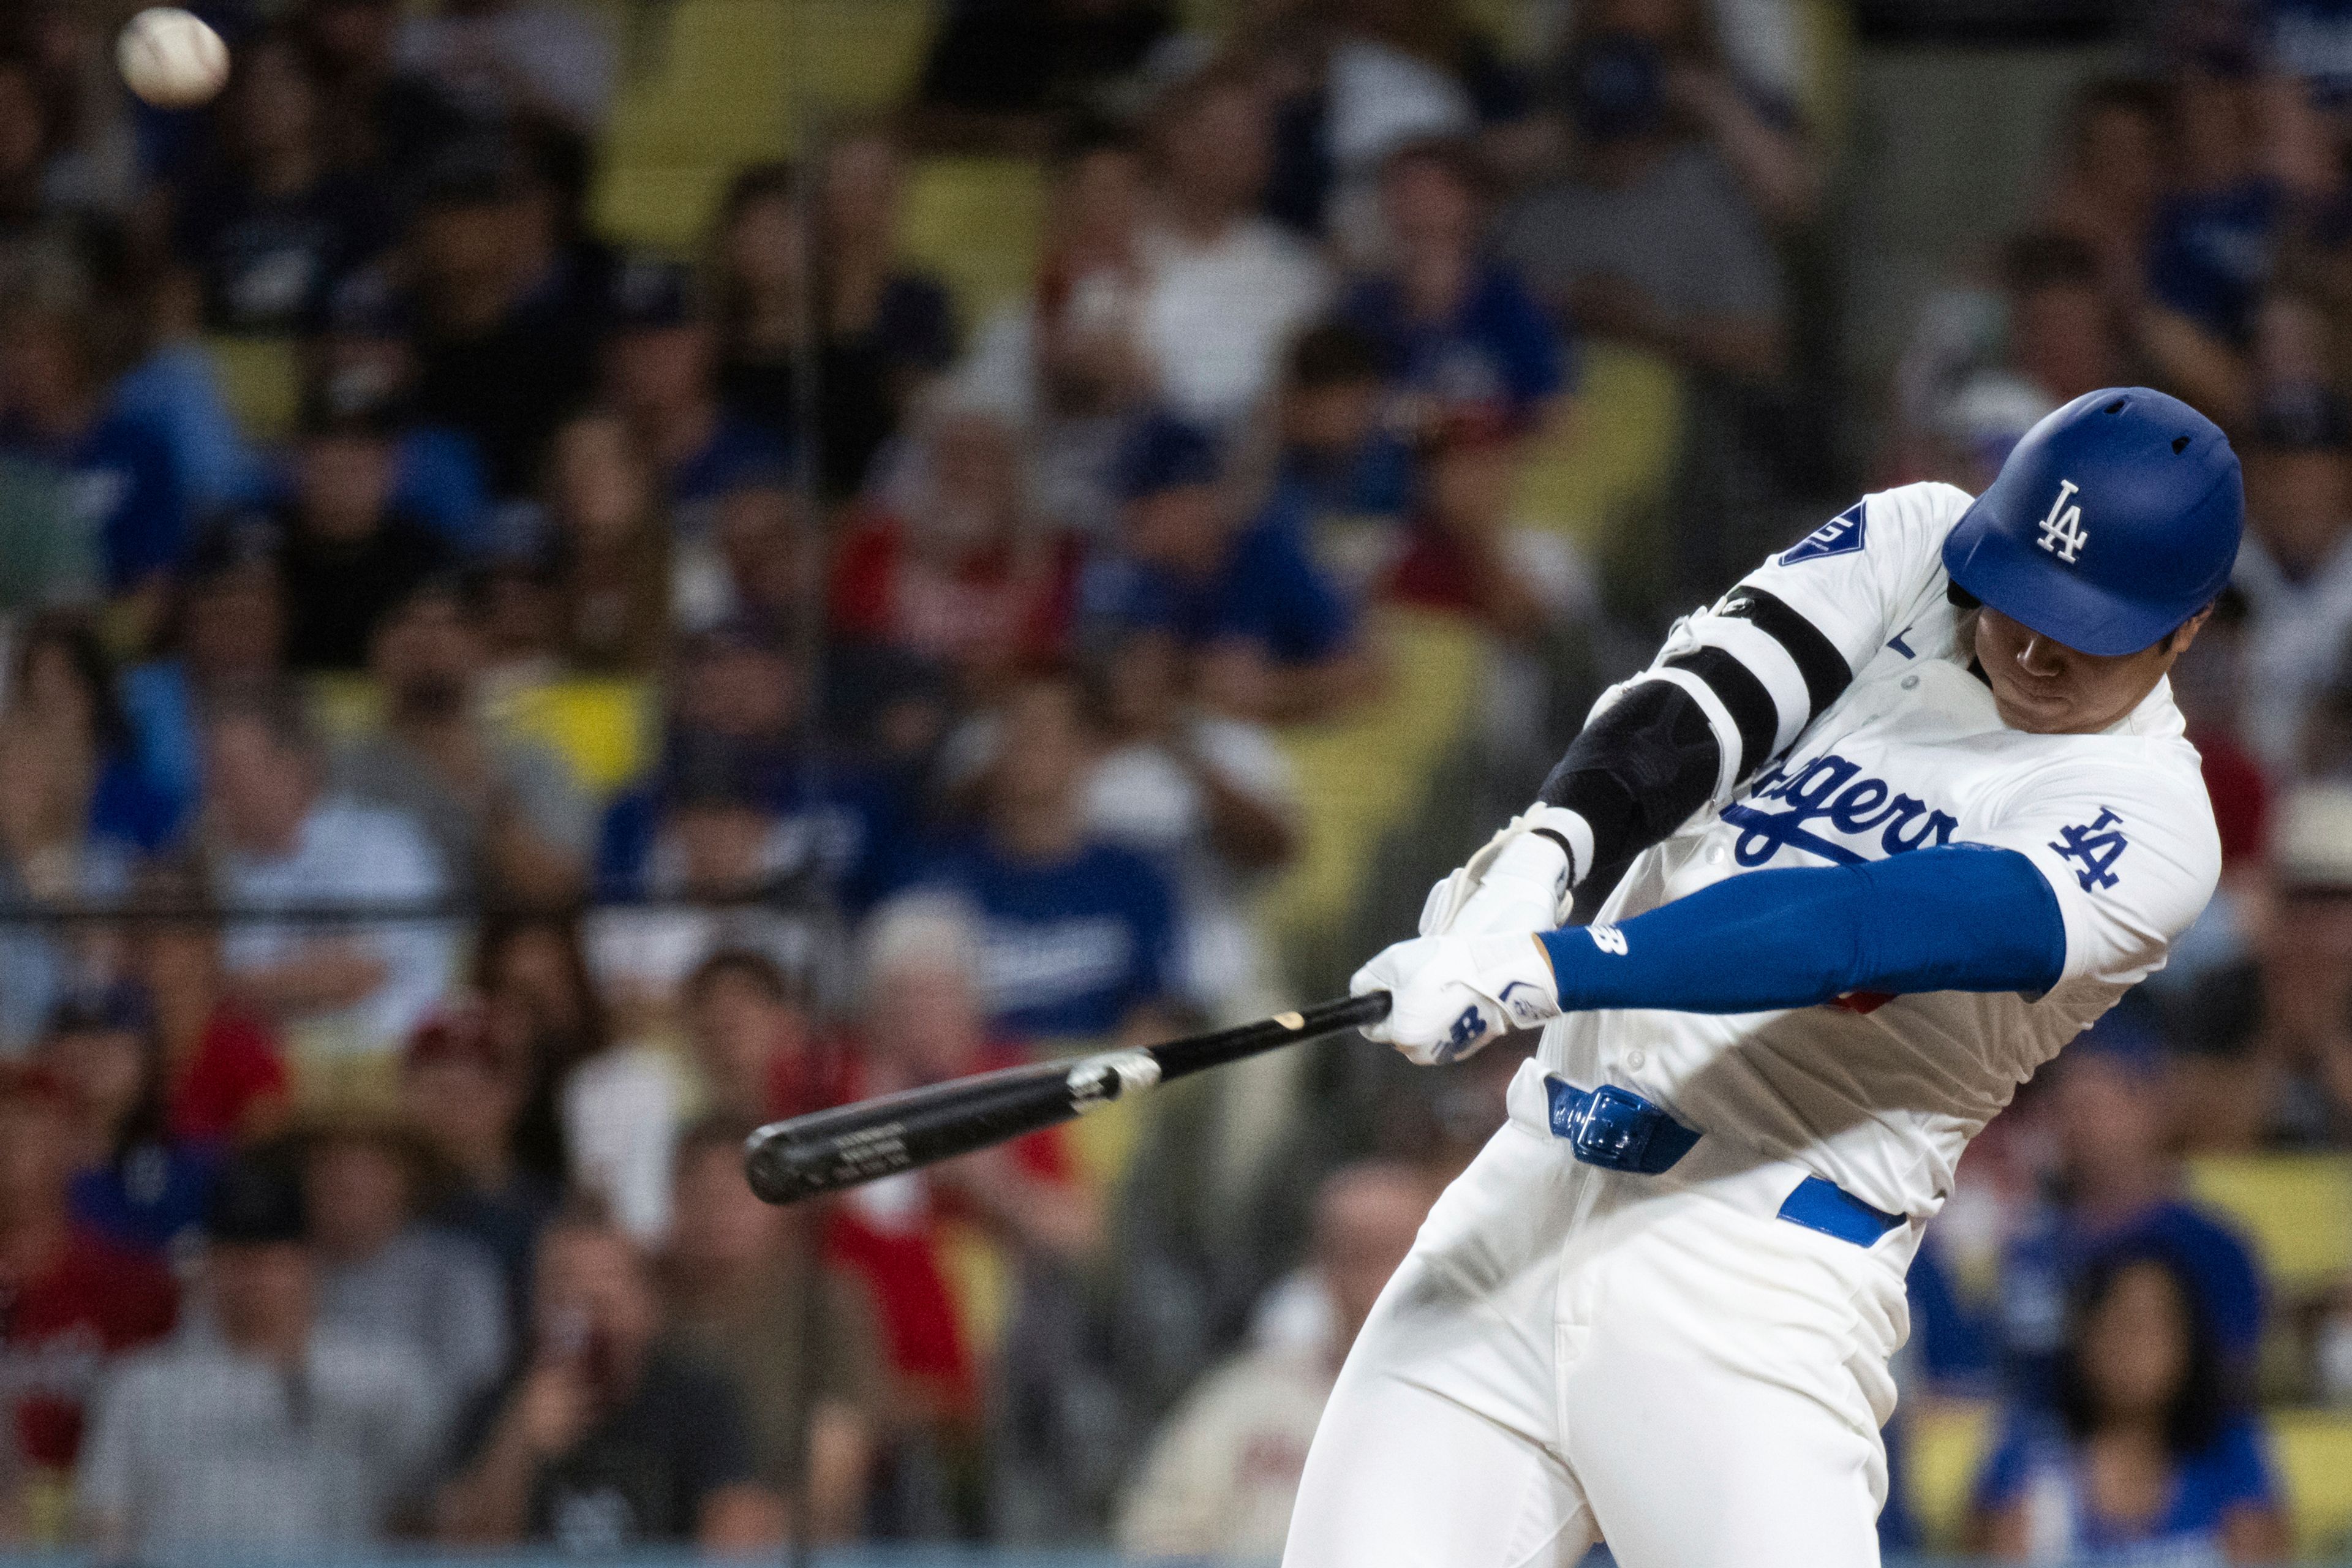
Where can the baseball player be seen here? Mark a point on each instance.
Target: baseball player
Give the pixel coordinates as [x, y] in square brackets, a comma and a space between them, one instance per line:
[1900, 816]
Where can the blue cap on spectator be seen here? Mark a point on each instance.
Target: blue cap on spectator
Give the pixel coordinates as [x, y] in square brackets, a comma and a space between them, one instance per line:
[1617, 88]
[1164, 453]
[2125, 1037]
[650, 294]
[120, 1008]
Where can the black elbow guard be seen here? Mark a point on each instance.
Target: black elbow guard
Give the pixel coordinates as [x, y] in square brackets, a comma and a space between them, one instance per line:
[1638, 771]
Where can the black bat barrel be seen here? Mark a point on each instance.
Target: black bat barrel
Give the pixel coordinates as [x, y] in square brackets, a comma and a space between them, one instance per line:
[828, 1149]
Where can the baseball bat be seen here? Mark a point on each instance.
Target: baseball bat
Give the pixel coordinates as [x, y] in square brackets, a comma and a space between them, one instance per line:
[826, 1151]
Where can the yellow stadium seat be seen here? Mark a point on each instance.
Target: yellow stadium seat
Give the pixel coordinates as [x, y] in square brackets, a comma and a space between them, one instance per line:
[660, 206]
[1617, 457]
[1948, 1441]
[857, 56]
[1433, 664]
[603, 728]
[2313, 1449]
[976, 223]
[261, 378]
[2296, 1209]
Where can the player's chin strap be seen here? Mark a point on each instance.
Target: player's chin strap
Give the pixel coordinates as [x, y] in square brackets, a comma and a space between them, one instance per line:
[1524, 879]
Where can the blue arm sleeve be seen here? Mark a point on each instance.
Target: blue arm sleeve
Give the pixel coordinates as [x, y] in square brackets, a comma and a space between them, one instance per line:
[1960, 918]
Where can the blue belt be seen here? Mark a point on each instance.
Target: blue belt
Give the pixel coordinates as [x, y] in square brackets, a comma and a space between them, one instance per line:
[1617, 1130]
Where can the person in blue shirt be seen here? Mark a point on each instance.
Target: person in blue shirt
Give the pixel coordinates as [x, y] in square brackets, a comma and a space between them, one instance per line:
[1277, 640]
[56, 409]
[1455, 324]
[1342, 458]
[737, 706]
[661, 372]
[2121, 1188]
[140, 1188]
[2146, 1458]
[1078, 937]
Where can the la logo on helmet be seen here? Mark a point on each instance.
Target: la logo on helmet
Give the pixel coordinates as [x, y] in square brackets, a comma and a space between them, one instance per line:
[2062, 534]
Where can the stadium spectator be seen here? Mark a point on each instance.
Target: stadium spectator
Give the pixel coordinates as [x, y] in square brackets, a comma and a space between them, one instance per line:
[1347, 456]
[661, 377]
[2110, 1106]
[2145, 1452]
[465, 1089]
[1461, 553]
[950, 567]
[1001, 70]
[1223, 1471]
[757, 567]
[62, 685]
[1090, 358]
[224, 632]
[607, 1438]
[747, 1021]
[2110, 181]
[733, 1277]
[367, 355]
[277, 843]
[1079, 937]
[533, 61]
[1224, 287]
[1211, 800]
[383, 1272]
[607, 548]
[885, 330]
[923, 1020]
[345, 555]
[2296, 572]
[503, 814]
[268, 1434]
[2215, 241]
[47, 858]
[1649, 238]
[75, 1301]
[1276, 640]
[135, 1183]
[1455, 325]
[228, 1081]
[373, 114]
[2283, 1070]
[126, 511]
[738, 708]
[272, 226]
[509, 317]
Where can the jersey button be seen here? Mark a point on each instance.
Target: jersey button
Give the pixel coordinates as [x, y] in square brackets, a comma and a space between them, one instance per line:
[1715, 854]
[1910, 683]
[1636, 1060]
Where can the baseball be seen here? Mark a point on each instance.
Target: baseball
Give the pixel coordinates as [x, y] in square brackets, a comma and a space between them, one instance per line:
[171, 58]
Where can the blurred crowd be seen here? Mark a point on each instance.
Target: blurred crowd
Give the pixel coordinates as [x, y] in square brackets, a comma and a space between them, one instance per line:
[373, 1071]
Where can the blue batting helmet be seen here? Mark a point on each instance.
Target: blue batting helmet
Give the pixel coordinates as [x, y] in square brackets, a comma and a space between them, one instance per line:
[2113, 522]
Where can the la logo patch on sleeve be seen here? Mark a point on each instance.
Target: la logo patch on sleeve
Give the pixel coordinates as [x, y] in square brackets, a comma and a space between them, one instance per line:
[1840, 535]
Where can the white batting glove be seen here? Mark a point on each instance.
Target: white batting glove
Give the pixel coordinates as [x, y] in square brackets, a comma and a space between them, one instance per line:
[1521, 880]
[1451, 994]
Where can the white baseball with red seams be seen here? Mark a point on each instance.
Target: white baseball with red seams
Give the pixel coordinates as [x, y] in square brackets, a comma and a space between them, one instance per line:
[1569, 1346]
[172, 57]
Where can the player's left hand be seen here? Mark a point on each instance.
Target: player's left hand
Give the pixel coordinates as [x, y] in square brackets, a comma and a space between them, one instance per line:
[1451, 994]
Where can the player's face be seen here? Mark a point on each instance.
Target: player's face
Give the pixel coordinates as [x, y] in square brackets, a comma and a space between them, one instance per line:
[2045, 688]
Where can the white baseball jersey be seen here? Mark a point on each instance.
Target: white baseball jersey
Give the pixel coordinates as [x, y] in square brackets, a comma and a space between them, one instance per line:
[1881, 1095]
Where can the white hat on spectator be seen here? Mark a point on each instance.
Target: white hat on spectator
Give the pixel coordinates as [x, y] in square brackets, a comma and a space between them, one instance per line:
[922, 934]
[2311, 845]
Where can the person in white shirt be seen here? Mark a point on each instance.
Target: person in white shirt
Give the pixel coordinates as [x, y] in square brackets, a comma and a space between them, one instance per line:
[278, 844]
[1221, 1473]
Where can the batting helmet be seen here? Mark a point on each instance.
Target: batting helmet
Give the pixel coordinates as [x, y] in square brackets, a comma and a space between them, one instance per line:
[2113, 522]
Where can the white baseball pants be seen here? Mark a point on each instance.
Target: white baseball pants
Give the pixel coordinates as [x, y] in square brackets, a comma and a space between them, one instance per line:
[1572, 1355]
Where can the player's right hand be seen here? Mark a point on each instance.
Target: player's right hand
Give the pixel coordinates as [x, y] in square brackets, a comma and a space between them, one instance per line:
[1520, 880]
[1451, 994]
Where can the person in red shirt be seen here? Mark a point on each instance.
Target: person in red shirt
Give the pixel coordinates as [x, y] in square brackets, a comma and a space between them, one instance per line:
[227, 1078]
[70, 1300]
[950, 567]
[1460, 550]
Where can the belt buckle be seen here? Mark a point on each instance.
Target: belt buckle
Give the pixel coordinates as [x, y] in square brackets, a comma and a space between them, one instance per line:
[1614, 1129]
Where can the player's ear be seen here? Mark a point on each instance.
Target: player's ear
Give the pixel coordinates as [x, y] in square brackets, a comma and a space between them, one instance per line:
[2186, 633]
